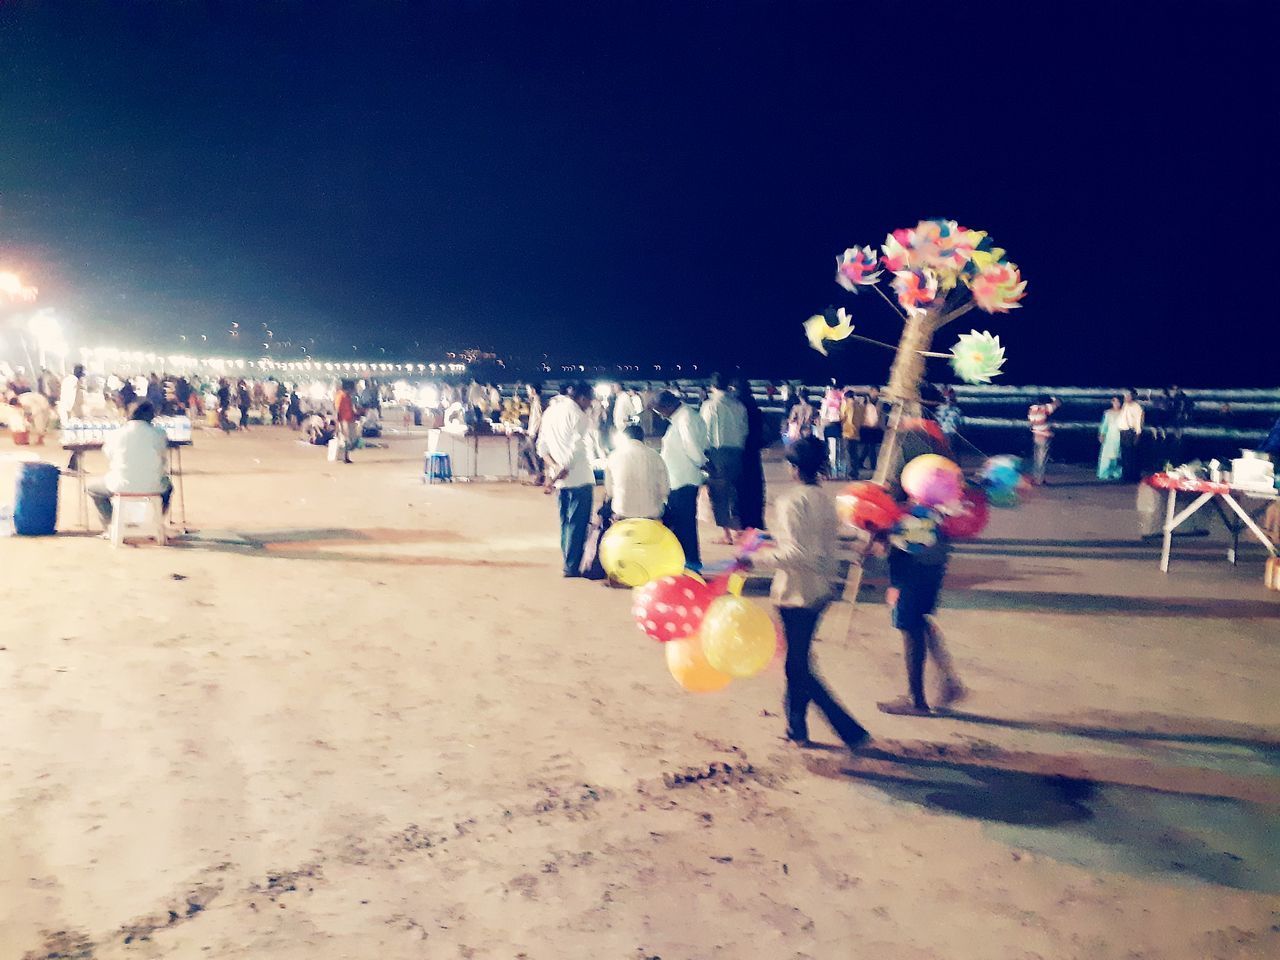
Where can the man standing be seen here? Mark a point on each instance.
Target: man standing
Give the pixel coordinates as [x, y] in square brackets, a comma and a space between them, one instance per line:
[1038, 415]
[562, 443]
[71, 406]
[1130, 421]
[345, 414]
[871, 434]
[726, 420]
[529, 448]
[684, 448]
[635, 478]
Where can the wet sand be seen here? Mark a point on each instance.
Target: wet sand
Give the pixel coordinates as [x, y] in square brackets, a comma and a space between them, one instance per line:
[356, 716]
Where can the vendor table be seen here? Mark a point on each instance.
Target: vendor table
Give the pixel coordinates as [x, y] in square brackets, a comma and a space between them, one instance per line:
[1217, 494]
[490, 456]
[177, 518]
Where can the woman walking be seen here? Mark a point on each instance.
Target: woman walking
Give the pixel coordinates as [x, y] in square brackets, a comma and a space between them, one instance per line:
[1109, 466]
[751, 480]
[806, 531]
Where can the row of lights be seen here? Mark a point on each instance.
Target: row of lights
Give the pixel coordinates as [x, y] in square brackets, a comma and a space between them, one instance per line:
[104, 356]
[623, 367]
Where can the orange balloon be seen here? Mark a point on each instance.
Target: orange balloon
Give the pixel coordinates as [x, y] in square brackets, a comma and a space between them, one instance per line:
[690, 668]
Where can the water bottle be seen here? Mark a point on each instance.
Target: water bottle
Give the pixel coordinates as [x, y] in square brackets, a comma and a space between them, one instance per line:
[184, 428]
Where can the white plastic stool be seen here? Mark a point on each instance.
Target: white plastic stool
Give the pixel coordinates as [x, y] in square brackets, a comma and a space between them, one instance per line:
[151, 528]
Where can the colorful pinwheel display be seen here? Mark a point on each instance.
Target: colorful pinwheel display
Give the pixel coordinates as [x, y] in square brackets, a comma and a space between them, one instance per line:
[857, 267]
[819, 331]
[977, 357]
[916, 288]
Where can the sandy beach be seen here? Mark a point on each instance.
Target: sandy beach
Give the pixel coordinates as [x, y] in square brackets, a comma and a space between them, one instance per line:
[355, 716]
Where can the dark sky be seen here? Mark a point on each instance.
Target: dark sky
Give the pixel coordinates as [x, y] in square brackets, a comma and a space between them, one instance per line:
[645, 181]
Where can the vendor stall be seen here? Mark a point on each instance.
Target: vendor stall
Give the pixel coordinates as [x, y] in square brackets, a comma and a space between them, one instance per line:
[1222, 495]
[478, 456]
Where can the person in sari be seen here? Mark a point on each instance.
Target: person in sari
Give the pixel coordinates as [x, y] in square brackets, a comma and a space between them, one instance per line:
[1109, 467]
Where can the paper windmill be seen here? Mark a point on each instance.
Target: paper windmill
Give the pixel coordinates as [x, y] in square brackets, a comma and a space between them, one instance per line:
[997, 286]
[819, 331]
[857, 267]
[916, 289]
[977, 357]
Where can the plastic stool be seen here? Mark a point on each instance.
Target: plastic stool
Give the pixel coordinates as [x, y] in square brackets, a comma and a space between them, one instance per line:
[438, 468]
[151, 528]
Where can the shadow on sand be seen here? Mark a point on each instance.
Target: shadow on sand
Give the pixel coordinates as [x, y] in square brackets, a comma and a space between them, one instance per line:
[1095, 822]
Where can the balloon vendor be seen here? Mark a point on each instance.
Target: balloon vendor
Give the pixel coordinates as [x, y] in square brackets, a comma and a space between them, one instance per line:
[805, 534]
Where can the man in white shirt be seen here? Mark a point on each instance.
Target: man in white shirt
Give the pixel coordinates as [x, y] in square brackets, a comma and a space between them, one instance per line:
[684, 448]
[135, 462]
[726, 420]
[562, 443]
[635, 478]
[1130, 420]
[71, 405]
[626, 410]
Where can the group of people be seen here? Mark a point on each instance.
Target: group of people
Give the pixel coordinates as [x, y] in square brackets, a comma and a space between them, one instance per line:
[1126, 428]
[849, 423]
[718, 446]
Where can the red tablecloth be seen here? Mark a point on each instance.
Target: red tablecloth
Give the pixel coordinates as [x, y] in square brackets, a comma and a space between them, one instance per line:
[1163, 481]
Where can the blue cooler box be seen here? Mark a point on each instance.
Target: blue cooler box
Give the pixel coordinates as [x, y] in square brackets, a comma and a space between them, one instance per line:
[35, 502]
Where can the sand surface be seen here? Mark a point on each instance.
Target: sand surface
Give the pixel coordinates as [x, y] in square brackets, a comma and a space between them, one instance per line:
[356, 716]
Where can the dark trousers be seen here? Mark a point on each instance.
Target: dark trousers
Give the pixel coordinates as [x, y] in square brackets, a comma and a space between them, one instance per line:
[868, 450]
[575, 517]
[804, 687]
[1130, 467]
[681, 518]
[726, 471]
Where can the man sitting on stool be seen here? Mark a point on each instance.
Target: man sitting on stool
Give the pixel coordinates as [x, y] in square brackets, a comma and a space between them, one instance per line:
[135, 462]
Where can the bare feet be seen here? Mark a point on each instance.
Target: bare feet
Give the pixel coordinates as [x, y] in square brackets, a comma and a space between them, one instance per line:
[904, 707]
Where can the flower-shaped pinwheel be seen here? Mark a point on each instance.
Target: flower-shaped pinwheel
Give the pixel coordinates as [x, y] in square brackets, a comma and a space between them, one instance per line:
[977, 357]
[857, 267]
[819, 331]
[916, 289]
[997, 286]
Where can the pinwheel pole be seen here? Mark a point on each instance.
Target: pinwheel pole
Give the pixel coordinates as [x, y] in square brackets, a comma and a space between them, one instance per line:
[907, 373]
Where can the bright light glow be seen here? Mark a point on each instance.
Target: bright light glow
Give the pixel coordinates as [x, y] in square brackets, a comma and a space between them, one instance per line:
[47, 331]
[603, 390]
[12, 288]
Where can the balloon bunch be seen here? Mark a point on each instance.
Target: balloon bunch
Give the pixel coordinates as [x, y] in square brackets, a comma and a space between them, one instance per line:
[1002, 481]
[939, 502]
[710, 633]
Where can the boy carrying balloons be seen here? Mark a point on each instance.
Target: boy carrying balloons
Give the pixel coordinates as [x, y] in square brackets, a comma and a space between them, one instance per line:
[806, 534]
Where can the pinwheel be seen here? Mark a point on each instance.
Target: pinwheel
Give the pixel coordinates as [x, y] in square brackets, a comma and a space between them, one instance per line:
[896, 251]
[916, 289]
[819, 331]
[977, 357]
[997, 288]
[857, 267]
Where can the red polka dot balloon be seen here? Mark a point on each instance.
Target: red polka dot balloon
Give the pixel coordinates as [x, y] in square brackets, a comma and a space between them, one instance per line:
[672, 608]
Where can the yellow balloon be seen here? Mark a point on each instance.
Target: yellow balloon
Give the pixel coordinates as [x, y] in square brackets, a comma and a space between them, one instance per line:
[633, 552]
[690, 668]
[738, 638]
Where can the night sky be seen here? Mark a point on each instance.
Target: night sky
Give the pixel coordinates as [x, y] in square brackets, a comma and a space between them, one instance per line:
[644, 182]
